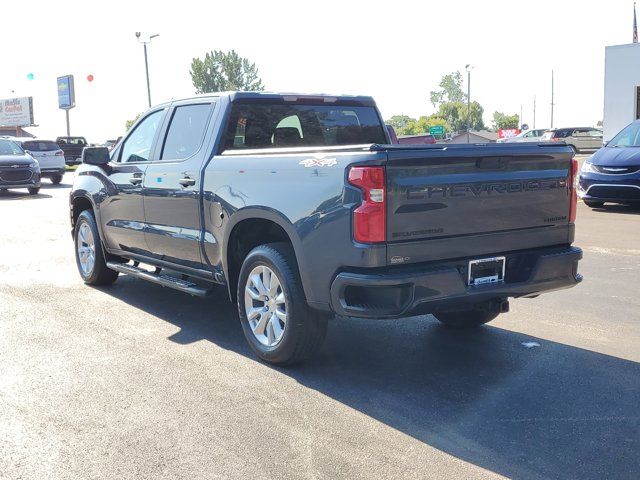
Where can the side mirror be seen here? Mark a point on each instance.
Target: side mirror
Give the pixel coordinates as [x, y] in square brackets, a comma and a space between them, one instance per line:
[96, 156]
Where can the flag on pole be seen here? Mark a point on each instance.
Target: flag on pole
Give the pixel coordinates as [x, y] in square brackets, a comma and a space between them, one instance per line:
[635, 24]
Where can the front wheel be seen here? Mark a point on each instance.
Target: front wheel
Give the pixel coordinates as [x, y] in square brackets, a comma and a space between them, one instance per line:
[466, 318]
[34, 190]
[592, 204]
[276, 320]
[89, 254]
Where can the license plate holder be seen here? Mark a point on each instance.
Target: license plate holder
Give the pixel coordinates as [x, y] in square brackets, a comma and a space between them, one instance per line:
[485, 271]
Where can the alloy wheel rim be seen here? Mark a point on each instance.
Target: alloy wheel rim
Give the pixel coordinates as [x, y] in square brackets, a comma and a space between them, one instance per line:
[265, 306]
[86, 249]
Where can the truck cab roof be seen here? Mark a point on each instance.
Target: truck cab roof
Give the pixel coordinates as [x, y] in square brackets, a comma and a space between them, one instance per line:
[285, 97]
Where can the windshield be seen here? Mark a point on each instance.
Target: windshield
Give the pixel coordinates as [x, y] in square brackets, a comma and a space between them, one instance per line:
[7, 147]
[628, 137]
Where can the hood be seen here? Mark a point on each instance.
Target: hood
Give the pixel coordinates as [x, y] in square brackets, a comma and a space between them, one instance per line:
[6, 160]
[617, 157]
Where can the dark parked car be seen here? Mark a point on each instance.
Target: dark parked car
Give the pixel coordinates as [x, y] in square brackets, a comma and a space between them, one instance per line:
[17, 168]
[581, 140]
[302, 208]
[72, 148]
[612, 174]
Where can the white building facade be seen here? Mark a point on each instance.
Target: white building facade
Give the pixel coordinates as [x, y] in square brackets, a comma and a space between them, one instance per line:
[621, 88]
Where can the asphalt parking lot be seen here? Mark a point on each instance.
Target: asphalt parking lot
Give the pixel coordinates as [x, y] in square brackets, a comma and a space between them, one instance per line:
[137, 381]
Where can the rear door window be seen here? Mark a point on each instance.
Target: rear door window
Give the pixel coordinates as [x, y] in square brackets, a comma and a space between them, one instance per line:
[186, 131]
[277, 125]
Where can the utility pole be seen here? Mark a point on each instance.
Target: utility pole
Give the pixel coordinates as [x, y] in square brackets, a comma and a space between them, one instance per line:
[521, 123]
[468, 67]
[534, 111]
[552, 104]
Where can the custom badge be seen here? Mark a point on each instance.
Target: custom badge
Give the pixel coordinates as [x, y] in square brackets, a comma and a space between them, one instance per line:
[318, 162]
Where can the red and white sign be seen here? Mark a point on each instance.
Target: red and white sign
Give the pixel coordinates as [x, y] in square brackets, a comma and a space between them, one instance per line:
[16, 112]
[508, 132]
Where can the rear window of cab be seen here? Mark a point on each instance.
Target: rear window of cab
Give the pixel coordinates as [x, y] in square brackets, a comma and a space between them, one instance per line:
[277, 125]
[40, 146]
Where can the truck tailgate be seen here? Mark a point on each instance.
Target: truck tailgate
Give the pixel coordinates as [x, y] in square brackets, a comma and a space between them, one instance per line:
[460, 200]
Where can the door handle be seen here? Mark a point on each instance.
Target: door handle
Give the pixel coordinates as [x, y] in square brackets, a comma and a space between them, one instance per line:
[187, 182]
[135, 180]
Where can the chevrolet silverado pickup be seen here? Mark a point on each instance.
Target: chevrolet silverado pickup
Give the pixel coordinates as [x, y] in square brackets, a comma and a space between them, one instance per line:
[299, 205]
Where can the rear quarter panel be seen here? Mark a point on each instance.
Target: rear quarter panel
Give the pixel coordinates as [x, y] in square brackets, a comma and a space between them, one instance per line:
[305, 194]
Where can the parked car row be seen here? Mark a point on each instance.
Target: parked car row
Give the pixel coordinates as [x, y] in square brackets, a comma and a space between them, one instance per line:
[580, 139]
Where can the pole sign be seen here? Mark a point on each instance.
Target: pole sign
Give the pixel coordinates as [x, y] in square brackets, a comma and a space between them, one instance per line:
[436, 130]
[66, 93]
[16, 112]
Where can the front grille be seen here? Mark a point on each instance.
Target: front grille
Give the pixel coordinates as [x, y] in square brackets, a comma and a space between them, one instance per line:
[621, 193]
[616, 170]
[15, 175]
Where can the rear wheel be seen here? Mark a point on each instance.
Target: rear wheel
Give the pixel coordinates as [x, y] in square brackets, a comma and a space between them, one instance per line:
[34, 190]
[593, 204]
[470, 317]
[276, 320]
[56, 179]
[89, 254]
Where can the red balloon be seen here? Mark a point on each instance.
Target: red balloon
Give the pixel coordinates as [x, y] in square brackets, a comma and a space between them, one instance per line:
[90, 78]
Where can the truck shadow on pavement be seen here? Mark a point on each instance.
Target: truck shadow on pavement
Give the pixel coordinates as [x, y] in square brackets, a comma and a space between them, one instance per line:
[551, 411]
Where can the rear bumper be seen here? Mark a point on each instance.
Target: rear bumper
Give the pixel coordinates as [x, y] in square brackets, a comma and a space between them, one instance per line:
[397, 292]
[50, 172]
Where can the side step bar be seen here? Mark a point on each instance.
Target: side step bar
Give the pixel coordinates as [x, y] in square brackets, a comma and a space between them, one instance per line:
[164, 280]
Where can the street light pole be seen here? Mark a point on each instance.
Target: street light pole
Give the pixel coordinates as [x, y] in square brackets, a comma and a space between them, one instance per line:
[468, 67]
[146, 63]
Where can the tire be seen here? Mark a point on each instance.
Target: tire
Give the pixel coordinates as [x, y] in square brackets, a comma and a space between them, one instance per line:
[593, 204]
[466, 318]
[86, 235]
[276, 340]
[56, 179]
[34, 190]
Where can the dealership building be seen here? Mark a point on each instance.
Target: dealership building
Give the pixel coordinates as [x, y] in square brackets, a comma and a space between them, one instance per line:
[621, 88]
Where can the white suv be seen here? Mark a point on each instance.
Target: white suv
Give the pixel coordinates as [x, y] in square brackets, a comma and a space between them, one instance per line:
[48, 154]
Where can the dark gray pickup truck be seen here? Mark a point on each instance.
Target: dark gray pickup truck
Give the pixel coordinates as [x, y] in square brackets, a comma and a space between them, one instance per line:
[299, 205]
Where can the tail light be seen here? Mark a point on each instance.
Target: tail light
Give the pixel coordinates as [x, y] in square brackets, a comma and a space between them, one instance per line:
[369, 219]
[59, 153]
[573, 179]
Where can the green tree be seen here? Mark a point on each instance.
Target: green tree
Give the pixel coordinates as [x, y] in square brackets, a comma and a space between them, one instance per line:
[457, 117]
[129, 123]
[220, 72]
[502, 121]
[399, 122]
[422, 125]
[450, 90]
